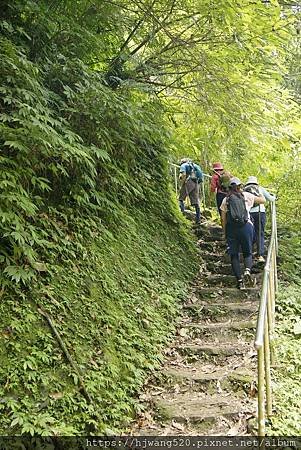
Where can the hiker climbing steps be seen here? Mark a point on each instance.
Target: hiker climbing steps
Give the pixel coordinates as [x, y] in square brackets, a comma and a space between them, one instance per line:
[206, 385]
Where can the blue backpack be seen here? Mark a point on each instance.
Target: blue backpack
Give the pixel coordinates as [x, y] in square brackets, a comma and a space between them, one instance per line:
[194, 173]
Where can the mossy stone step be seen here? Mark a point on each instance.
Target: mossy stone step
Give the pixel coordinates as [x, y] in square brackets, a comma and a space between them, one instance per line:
[219, 280]
[212, 230]
[218, 238]
[215, 246]
[220, 349]
[221, 312]
[199, 408]
[219, 330]
[215, 257]
[219, 267]
[221, 294]
[239, 379]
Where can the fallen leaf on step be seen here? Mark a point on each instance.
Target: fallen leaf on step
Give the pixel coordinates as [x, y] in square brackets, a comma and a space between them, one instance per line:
[235, 430]
[253, 389]
[157, 391]
[177, 388]
[183, 332]
[177, 426]
[218, 387]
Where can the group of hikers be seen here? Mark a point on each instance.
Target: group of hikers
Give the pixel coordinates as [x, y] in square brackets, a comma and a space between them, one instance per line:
[241, 209]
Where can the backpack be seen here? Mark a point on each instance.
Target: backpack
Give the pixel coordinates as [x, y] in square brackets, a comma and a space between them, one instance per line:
[195, 173]
[236, 209]
[253, 189]
[224, 181]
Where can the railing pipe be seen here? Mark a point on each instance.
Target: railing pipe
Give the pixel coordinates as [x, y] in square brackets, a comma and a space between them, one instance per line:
[267, 369]
[265, 328]
[260, 384]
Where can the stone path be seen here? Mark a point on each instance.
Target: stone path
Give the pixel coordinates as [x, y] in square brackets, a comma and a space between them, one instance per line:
[206, 385]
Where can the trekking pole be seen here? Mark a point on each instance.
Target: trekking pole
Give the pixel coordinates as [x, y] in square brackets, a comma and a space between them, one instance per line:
[259, 232]
[176, 179]
[203, 194]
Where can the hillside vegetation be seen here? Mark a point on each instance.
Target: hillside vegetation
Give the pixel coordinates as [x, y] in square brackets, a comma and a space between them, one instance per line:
[96, 99]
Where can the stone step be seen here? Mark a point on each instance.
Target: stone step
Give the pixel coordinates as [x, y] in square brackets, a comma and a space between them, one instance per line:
[221, 331]
[221, 312]
[219, 280]
[224, 294]
[219, 267]
[211, 380]
[199, 408]
[219, 257]
[218, 238]
[214, 256]
[218, 247]
[217, 353]
[224, 265]
[211, 229]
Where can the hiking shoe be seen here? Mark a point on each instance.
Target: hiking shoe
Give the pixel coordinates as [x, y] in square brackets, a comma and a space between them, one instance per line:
[248, 279]
[261, 259]
[240, 284]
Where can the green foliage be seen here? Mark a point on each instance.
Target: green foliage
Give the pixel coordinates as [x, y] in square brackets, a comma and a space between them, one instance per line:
[88, 229]
[287, 374]
[113, 307]
[88, 224]
[290, 253]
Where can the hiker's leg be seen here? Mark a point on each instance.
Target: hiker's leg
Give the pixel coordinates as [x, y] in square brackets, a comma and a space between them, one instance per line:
[256, 235]
[236, 266]
[182, 197]
[254, 218]
[194, 195]
[246, 241]
[233, 250]
[197, 213]
[261, 237]
[219, 198]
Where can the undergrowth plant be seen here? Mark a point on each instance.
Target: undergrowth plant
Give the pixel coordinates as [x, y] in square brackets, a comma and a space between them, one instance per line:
[287, 372]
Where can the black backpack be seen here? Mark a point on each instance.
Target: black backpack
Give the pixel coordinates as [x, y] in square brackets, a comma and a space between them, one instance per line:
[237, 212]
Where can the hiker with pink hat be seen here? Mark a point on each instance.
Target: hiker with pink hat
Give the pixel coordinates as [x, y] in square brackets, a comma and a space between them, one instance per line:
[219, 183]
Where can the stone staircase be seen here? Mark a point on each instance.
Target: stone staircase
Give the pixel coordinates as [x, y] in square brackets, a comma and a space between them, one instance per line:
[206, 385]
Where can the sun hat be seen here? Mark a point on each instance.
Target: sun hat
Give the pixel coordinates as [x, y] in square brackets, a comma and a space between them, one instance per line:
[252, 180]
[235, 181]
[217, 166]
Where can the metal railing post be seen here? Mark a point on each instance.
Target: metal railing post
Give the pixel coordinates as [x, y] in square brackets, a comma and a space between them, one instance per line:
[260, 383]
[267, 369]
[265, 329]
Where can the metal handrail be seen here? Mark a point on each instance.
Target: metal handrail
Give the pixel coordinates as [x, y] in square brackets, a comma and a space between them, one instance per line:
[265, 328]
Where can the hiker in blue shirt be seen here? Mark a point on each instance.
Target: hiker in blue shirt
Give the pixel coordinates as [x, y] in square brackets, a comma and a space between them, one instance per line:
[191, 176]
[258, 215]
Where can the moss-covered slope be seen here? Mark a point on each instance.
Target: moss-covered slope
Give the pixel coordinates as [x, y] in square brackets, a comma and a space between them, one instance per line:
[113, 307]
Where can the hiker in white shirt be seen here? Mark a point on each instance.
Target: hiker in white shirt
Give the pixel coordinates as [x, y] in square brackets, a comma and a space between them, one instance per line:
[258, 214]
